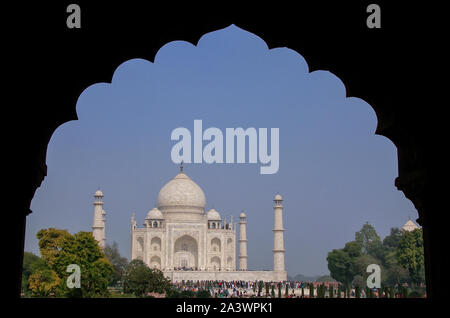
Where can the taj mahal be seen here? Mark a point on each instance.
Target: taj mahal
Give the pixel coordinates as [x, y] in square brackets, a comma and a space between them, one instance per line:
[186, 243]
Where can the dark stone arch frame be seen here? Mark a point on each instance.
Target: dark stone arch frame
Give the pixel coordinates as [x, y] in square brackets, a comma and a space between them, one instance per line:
[374, 65]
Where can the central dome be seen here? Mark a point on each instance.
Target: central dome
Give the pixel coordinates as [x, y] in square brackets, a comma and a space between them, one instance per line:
[181, 194]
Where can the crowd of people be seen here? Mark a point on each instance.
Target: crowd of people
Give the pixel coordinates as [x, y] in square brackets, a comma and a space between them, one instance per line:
[245, 289]
[184, 268]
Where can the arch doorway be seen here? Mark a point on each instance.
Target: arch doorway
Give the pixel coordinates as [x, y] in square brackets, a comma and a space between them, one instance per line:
[185, 252]
[155, 262]
[215, 263]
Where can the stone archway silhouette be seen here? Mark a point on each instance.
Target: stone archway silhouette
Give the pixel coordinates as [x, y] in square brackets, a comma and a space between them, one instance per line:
[367, 70]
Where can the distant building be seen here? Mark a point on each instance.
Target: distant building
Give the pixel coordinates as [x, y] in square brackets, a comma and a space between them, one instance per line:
[410, 226]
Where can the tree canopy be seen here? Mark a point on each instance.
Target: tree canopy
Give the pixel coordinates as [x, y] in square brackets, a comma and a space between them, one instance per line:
[400, 256]
[118, 262]
[368, 239]
[341, 262]
[58, 250]
[44, 282]
[31, 264]
[410, 255]
[139, 279]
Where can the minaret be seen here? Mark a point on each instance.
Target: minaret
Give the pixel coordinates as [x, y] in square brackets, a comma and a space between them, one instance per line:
[243, 242]
[98, 229]
[278, 240]
[133, 227]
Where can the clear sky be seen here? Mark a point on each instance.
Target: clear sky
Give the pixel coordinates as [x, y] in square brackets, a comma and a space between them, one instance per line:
[335, 174]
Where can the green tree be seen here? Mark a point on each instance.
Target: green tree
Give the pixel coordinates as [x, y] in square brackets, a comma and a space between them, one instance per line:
[203, 294]
[59, 249]
[405, 292]
[118, 262]
[361, 264]
[400, 256]
[139, 279]
[321, 291]
[342, 262]
[311, 290]
[44, 282]
[394, 274]
[51, 243]
[158, 282]
[353, 249]
[368, 239]
[391, 241]
[410, 255]
[31, 263]
[187, 294]
[359, 280]
[260, 287]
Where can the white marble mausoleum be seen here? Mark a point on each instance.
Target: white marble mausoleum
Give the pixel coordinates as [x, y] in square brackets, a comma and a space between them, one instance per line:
[186, 243]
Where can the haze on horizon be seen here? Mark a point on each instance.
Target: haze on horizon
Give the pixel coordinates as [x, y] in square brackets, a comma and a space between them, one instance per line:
[334, 173]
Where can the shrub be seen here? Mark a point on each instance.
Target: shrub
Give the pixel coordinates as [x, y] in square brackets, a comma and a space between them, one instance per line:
[203, 294]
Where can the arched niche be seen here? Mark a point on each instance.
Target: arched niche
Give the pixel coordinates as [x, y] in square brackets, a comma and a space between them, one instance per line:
[186, 252]
[216, 245]
[155, 244]
[155, 262]
[215, 263]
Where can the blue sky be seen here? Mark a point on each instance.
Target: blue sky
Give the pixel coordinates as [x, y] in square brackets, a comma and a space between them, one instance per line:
[335, 174]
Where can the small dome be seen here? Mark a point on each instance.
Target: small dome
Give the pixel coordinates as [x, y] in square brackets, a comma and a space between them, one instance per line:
[242, 215]
[278, 197]
[155, 214]
[98, 193]
[213, 215]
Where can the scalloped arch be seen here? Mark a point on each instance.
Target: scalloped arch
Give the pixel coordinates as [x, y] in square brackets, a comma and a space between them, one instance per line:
[309, 66]
[381, 77]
